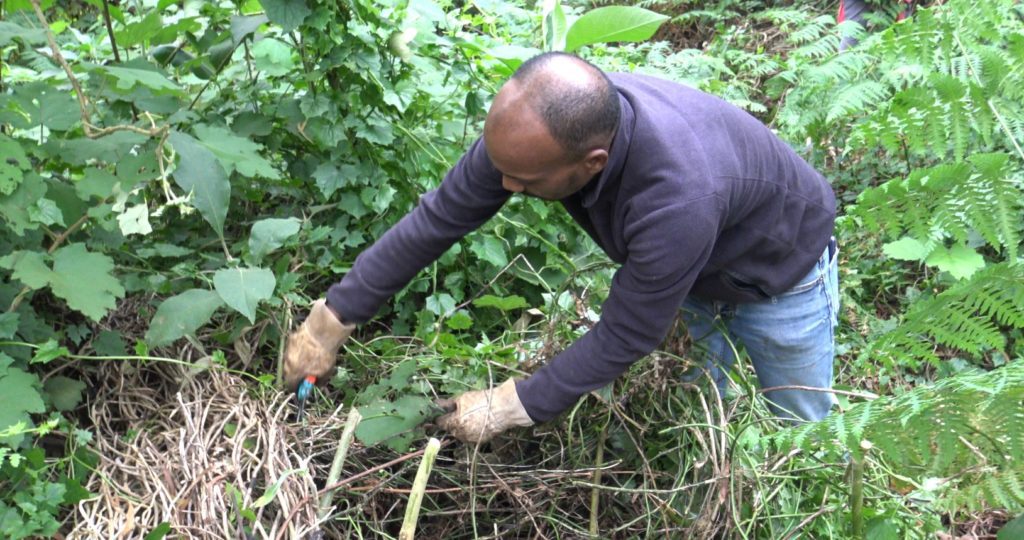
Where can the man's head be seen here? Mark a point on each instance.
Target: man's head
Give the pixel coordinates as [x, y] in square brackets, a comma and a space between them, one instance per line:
[550, 127]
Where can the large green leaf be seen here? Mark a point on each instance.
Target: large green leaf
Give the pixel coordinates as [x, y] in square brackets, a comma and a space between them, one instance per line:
[244, 288]
[613, 23]
[182, 315]
[906, 249]
[288, 14]
[960, 261]
[200, 173]
[47, 105]
[234, 152]
[490, 249]
[10, 31]
[393, 421]
[126, 79]
[270, 234]
[553, 25]
[65, 393]
[84, 280]
[19, 397]
[139, 31]
[28, 267]
[273, 57]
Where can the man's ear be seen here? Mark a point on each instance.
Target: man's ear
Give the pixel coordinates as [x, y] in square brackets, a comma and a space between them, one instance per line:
[595, 160]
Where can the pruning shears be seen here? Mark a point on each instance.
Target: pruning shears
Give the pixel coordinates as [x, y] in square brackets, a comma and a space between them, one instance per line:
[303, 392]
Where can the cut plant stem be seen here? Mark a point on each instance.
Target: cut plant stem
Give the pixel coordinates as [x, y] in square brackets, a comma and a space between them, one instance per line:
[339, 460]
[419, 485]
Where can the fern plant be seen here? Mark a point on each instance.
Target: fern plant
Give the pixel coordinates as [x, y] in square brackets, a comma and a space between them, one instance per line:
[959, 441]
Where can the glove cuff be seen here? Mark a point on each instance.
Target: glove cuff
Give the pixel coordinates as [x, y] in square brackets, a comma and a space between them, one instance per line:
[325, 328]
[512, 411]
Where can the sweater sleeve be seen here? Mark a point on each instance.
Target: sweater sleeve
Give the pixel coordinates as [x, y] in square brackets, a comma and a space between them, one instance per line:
[469, 195]
[667, 249]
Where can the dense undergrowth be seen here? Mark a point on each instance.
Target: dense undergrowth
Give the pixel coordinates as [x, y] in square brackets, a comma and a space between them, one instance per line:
[180, 179]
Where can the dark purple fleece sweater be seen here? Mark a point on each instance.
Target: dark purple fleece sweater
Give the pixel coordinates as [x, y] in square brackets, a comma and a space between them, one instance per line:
[698, 197]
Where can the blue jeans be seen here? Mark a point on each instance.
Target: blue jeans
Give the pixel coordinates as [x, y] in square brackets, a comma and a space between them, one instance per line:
[790, 339]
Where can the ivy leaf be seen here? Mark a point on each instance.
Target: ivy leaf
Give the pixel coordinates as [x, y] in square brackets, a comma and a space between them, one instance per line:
[504, 303]
[84, 280]
[65, 393]
[235, 153]
[13, 163]
[906, 249]
[181, 315]
[199, 173]
[288, 14]
[613, 23]
[960, 261]
[244, 288]
[460, 321]
[386, 420]
[440, 304]
[490, 249]
[270, 234]
[19, 398]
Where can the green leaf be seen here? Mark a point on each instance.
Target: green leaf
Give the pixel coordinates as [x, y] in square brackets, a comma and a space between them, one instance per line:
[960, 261]
[330, 178]
[270, 234]
[1012, 530]
[29, 267]
[273, 57]
[97, 183]
[553, 25]
[613, 23]
[386, 420]
[9, 324]
[19, 398]
[10, 31]
[242, 26]
[48, 352]
[504, 303]
[158, 532]
[244, 288]
[138, 32]
[135, 220]
[127, 79]
[14, 207]
[460, 321]
[182, 315]
[65, 393]
[46, 212]
[288, 14]
[271, 491]
[490, 249]
[440, 304]
[235, 153]
[199, 173]
[74, 267]
[48, 106]
[13, 163]
[109, 343]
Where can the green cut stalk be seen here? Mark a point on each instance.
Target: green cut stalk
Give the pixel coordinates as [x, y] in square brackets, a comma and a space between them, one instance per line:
[412, 512]
[339, 459]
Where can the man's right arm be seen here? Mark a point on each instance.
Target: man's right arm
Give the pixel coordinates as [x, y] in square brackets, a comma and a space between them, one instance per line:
[470, 194]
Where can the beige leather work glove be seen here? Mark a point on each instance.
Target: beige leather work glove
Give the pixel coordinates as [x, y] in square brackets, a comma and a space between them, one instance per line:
[481, 414]
[313, 348]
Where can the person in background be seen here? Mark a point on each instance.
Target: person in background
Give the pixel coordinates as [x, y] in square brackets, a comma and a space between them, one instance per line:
[856, 10]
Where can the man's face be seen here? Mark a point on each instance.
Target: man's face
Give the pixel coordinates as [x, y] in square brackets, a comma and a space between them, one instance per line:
[531, 162]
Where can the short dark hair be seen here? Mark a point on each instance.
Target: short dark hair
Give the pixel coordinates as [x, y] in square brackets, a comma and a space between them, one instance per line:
[576, 114]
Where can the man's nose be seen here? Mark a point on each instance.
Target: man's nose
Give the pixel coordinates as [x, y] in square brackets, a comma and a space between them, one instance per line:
[512, 185]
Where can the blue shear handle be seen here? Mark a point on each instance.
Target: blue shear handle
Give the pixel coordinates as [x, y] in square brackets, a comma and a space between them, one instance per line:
[305, 388]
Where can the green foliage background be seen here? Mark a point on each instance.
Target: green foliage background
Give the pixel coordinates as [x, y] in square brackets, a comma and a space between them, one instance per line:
[220, 164]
